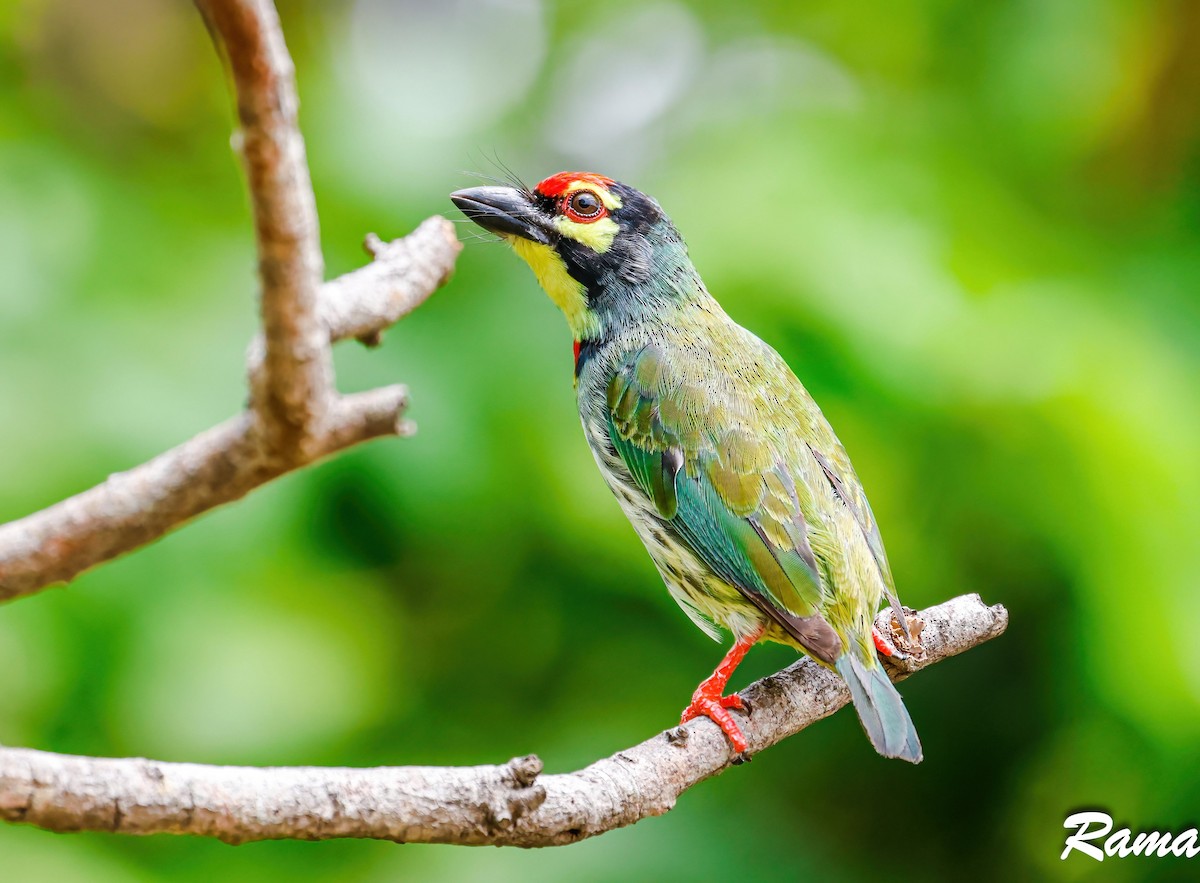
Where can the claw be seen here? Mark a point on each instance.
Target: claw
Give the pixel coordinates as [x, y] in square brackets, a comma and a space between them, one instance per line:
[716, 708]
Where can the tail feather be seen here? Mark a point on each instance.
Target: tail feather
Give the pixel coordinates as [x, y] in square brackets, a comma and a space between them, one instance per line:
[880, 709]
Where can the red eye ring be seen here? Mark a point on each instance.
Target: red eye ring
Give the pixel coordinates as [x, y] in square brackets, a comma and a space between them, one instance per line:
[583, 206]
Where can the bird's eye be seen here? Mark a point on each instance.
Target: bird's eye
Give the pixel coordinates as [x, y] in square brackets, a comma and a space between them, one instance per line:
[584, 205]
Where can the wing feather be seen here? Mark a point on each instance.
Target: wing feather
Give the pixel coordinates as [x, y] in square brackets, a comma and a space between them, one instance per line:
[728, 492]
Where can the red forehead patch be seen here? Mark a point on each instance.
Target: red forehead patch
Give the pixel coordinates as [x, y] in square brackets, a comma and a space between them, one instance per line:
[556, 185]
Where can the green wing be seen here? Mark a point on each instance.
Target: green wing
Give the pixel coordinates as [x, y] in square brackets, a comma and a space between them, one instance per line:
[841, 477]
[730, 493]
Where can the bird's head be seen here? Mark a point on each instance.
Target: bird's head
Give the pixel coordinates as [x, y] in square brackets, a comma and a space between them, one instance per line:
[599, 248]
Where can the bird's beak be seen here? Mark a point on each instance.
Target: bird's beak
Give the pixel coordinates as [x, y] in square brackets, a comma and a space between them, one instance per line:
[504, 210]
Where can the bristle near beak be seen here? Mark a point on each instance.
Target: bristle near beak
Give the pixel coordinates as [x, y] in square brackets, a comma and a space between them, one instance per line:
[506, 211]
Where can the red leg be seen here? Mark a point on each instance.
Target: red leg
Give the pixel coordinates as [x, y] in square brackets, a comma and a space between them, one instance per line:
[708, 701]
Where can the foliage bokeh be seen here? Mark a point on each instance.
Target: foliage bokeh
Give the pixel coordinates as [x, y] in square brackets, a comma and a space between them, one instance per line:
[972, 229]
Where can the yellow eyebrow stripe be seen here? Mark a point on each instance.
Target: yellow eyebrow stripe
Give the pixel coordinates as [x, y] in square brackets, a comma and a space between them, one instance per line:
[598, 235]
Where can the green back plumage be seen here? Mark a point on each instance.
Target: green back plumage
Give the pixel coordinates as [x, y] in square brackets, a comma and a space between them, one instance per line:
[719, 433]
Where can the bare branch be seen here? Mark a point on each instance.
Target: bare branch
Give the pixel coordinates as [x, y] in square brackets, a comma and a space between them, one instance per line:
[222, 464]
[296, 387]
[405, 272]
[508, 805]
[296, 416]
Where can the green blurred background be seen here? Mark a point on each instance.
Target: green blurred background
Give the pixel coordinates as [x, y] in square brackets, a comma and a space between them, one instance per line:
[973, 229]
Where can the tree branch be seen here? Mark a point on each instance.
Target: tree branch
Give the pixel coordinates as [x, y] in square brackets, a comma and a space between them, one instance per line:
[296, 416]
[363, 303]
[294, 390]
[508, 805]
[222, 464]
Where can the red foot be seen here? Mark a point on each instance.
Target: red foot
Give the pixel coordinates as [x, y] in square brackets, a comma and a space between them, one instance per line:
[884, 646]
[708, 701]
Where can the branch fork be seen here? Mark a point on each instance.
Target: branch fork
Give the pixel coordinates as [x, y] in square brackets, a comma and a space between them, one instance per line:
[296, 416]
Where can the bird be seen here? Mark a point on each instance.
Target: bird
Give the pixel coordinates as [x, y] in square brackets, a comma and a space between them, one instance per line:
[723, 463]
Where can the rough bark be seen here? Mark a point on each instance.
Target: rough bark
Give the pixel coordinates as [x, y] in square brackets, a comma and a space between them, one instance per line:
[507, 805]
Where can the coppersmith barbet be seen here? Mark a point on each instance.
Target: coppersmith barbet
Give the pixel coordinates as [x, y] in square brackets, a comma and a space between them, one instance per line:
[732, 477]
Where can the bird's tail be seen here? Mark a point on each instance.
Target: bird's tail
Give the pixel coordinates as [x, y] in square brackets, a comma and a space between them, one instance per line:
[880, 709]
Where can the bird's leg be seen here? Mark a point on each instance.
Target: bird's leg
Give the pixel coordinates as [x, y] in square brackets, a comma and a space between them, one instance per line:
[709, 701]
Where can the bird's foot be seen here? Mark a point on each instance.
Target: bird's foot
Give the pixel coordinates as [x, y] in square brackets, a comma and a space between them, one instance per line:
[708, 701]
[899, 641]
[885, 646]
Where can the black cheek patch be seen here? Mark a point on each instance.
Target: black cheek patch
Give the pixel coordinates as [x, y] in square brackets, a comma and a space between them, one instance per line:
[584, 265]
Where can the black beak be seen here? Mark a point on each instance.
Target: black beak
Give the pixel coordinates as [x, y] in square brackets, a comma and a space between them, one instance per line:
[504, 210]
